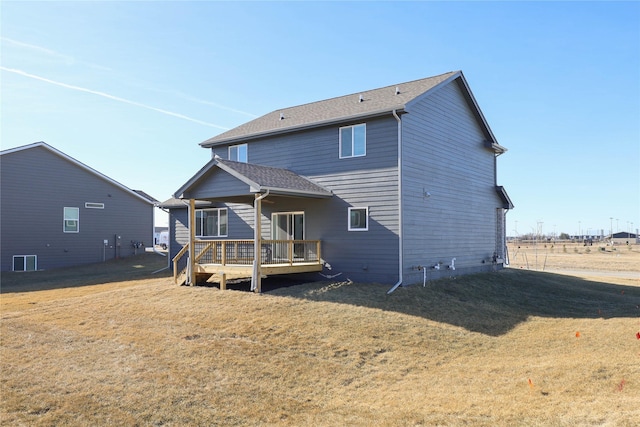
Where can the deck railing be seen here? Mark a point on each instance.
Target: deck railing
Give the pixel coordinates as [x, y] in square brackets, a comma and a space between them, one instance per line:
[241, 252]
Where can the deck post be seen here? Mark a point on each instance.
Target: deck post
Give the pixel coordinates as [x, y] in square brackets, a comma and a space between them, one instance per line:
[223, 281]
[192, 239]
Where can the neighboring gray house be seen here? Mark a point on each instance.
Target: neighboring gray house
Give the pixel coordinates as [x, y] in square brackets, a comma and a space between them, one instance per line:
[390, 185]
[58, 212]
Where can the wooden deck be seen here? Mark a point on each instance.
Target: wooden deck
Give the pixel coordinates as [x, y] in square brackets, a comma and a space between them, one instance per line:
[234, 258]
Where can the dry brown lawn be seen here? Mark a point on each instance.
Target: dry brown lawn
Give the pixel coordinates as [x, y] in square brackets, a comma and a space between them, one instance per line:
[518, 347]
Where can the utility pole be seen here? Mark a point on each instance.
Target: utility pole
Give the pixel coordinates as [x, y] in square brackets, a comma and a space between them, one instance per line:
[611, 226]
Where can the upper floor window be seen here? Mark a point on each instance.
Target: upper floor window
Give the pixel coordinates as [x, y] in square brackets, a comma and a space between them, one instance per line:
[238, 153]
[353, 141]
[71, 220]
[211, 222]
[358, 219]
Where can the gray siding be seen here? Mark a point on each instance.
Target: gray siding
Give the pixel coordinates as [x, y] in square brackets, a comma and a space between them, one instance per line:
[240, 225]
[443, 154]
[221, 183]
[369, 181]
[37, 184]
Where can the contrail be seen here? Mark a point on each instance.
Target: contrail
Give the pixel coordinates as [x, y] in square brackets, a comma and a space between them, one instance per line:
[66, 58]
[213, 104]
[112, 97]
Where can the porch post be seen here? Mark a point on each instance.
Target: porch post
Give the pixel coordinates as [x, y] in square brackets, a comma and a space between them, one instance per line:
[192, 240]
[256, 279]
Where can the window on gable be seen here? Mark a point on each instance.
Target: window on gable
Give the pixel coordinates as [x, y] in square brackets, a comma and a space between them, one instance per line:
[25, 262]
[71, 220]
[353, 141]
[92, 205]
[211, 222]
[238, 153]
[358, 219]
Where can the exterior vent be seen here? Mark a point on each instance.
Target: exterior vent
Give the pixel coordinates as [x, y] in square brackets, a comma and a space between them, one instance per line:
[397, 90]
[361, 99]
[281, 116]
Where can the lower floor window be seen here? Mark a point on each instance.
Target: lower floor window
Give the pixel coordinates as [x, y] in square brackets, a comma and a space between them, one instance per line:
[211, 222]
[25, 263]
[358, 219]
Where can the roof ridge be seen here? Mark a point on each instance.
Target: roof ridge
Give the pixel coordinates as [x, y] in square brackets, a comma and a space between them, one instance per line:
[360, 92]
[355, 106]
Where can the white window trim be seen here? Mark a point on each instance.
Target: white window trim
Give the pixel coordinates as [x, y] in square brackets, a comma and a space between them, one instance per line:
[238, 147]
[366, 210]
[273, 222]
[93, 205]
[202, 225]
[353, 141]
[65, 219]
[13, 262]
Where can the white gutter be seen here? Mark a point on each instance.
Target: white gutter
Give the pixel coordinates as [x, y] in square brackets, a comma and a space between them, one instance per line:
[400, 244]
[271, 132]
[256, 241]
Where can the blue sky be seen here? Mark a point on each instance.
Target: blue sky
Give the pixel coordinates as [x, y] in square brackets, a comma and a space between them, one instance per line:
[131, 88]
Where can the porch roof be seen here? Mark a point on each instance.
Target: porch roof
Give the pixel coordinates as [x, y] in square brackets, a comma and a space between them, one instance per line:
[506, 200]
[223, 179]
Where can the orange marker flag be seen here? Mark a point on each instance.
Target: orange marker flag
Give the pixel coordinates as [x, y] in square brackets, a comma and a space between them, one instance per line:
[530, 384]
[578, 334]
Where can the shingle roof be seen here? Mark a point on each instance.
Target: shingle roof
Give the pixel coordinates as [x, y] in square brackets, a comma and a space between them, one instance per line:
[273, 179]
[343, 108]
[259, 179]
[137, 193]
[174, 203]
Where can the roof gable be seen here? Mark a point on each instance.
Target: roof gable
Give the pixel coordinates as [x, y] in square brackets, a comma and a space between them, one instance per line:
[344, 108]
[256, 179]
[136, 193]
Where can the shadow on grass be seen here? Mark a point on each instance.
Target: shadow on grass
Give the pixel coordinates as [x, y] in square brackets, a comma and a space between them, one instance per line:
[489, 303]
[130, 268]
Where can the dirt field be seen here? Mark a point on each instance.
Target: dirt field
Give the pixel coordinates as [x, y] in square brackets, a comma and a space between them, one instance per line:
[117, 345]
[596, 260]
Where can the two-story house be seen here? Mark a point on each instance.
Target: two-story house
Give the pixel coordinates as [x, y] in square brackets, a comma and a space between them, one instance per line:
[58, 212]
[389, 185]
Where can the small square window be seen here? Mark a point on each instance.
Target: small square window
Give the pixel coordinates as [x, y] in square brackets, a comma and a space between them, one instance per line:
[238, 153]
[353, 141]
[358, 219]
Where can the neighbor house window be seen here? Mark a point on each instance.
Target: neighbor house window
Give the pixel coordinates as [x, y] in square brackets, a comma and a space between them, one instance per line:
[211, 222]
[25, 263]
[358, 219]
[92, 205]
[238, 153]
[353, 141]
[71, 220]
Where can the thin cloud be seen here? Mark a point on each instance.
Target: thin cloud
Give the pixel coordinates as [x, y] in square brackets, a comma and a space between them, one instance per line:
[66, 58]
[112, 97]
[69, 60]
[213, 104]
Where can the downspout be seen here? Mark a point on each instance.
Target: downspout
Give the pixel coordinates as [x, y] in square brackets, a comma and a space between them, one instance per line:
[257, 231]
[192, 242]
[400, 243]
